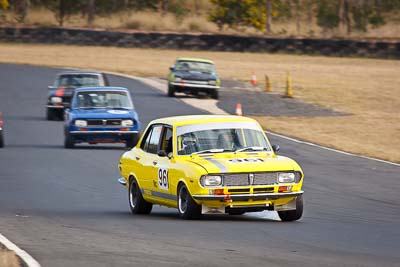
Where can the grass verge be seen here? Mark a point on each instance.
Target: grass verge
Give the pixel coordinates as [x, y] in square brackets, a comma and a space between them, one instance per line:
[8, 259]
[365, 88]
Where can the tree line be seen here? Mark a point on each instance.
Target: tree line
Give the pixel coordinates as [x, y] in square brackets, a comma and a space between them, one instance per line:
[349, 15]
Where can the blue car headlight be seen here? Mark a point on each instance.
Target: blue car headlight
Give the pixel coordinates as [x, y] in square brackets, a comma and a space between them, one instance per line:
[80, 123]
[127, 123]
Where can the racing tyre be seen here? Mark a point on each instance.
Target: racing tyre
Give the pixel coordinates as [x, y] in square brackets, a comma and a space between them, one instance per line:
[171, 91]
[236, 212]
[293, 215]
[188, 209]
[69, 141]
[50, 116]
[214, 94]
[136, 201]
[131, 142]
[1, 139]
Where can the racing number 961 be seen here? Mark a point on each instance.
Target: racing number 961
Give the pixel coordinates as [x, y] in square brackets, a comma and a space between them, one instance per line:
[163, 179]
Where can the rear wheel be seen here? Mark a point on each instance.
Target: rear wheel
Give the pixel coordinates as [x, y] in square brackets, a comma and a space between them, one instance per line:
[69, 140]
[293, 215]
[188, 209]
[171, 91]
[132, 141]
[136, 201]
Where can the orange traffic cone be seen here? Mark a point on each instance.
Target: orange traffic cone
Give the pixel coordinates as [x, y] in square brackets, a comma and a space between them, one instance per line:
[239, 111]
[254, 79]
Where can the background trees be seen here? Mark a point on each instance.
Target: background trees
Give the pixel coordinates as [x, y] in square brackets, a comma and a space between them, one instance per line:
[345, 16]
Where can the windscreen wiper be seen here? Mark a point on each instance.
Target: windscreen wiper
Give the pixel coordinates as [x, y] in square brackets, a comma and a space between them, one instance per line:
[252, 148]
[213, 150]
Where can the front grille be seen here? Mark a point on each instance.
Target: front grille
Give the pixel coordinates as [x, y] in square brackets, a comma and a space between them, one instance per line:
[243, 179]
[99, 122]
[265, 178]
[236, 179]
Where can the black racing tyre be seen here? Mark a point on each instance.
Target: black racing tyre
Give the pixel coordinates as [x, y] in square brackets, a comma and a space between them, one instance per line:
[214, 94]
[50, 116]
[171, 91]
[236, 212]
[187, 208]
[69, 140]
[293, 215]
[136, 201]
[132, 141]
[1, 139]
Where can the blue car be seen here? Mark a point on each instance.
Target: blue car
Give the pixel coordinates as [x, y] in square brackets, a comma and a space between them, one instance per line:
[101, 115]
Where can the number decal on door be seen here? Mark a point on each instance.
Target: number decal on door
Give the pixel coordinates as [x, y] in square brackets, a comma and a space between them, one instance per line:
[163, 179]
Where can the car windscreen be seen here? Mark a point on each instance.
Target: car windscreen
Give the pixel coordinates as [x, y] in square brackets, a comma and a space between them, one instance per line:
[226, 137]
[195, 66]
[79, 80]
[102, 99]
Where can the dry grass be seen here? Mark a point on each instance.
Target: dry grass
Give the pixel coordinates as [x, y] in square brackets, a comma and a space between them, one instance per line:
[197, 22]
[8, 259]
[368, 89]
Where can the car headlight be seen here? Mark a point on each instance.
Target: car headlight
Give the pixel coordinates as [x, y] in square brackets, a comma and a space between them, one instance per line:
[127, 123]
[211, 180]
[212, 82]
[80, 123]
[286, 177]
[178, 79]
[56, 99]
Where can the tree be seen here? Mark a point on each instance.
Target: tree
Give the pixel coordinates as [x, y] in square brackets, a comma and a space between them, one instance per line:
[62, 9]
[327, 17]
[268, 25]
[21, 10]
[91, 10]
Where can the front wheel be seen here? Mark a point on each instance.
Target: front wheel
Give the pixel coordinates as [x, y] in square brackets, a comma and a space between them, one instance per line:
[188, 209]
[69, 140]
[50, 116]
[1, 139]
[214, 94]
[293, 215]
[171, 91]
[132, 141]
[136, 201]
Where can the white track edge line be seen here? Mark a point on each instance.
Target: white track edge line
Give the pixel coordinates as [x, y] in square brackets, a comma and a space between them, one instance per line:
[28, 259]
[331, 149]
[144, 80]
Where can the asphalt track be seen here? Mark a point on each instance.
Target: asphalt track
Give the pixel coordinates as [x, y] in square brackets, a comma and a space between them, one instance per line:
[65, 207]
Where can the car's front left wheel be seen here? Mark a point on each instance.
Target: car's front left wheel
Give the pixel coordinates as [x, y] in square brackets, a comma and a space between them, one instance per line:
[136, 201]
[187, 207]
[293, 215]
[132, 141]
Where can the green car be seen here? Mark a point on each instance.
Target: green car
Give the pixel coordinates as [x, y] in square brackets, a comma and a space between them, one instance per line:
[193, 76]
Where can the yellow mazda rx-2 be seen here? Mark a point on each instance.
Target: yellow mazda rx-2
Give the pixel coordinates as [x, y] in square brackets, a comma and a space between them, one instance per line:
[210, 164]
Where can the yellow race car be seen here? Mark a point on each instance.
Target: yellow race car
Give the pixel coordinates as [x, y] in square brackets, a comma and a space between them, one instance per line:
[204, 164]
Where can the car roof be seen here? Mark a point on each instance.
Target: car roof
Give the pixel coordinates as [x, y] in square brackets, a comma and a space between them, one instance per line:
[101, 88]
[200, 119]
[194, 59]
[78, 72]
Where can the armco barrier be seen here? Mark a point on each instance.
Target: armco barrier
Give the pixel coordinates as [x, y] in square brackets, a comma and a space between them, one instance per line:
[329, 47]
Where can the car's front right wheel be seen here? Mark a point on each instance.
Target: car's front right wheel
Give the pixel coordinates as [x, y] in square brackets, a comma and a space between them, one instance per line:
[187, 207]
[132, 141]
[136, 201]
[293, 215]
[1, 139]
[69, 140]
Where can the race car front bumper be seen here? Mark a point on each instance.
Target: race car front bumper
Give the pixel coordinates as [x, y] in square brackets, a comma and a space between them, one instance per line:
[246, 197]
[194, 85]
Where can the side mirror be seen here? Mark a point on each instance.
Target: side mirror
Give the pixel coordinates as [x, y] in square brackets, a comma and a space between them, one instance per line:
[50, 87]
[162, 153]
[276, 148]
[172, 68]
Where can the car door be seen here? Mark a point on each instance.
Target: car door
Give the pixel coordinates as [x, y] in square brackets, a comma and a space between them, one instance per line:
[162, 169]
[145, 157]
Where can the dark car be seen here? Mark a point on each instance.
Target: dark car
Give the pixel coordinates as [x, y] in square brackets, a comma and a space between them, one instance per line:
[1, 131]
[193, 76]
[101, 115]
[60, 93]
